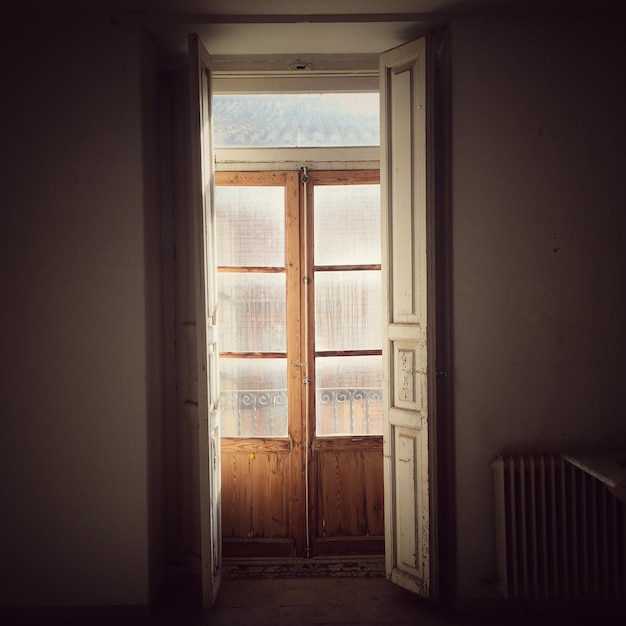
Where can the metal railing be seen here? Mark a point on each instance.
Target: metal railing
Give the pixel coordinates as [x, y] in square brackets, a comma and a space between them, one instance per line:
[254, 413]
[347, 411]
[263, 413]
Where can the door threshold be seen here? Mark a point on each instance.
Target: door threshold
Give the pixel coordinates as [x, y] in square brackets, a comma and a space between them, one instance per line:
[296, 567]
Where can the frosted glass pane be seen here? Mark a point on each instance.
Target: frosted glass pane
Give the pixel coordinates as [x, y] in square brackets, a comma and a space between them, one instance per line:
[347, 224]
[252, 312]
[348, 310]
[296, 120]
[349, 395]
[253, 397]
[250, 226]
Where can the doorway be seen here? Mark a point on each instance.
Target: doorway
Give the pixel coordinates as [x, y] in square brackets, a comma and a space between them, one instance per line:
[299, 281]
[407, 321]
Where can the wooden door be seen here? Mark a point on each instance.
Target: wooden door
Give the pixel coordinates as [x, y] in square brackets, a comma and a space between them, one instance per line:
[344, 353]
[302, 456]
[200, 327]
[259, 275]
[407, 345]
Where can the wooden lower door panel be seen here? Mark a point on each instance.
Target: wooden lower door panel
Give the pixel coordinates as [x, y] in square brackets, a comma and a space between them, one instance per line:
[255, 507]
[349, 495]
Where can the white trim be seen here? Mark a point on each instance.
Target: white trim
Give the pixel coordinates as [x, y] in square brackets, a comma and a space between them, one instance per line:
[288, 63]
[301, 83]
[265, 159]
[302, 74]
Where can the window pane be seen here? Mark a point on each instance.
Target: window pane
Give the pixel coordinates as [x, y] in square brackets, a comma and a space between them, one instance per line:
[252, 312]
[296, 120]
[347, 224]
[348, 310]
[349, 395]
[253, 397]
[251, 226]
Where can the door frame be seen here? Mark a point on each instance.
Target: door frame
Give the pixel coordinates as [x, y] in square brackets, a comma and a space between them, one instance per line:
[445, 439]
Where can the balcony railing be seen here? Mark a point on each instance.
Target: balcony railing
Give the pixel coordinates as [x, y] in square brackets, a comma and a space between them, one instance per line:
[349, 411]
[263, 413]
[254, 413]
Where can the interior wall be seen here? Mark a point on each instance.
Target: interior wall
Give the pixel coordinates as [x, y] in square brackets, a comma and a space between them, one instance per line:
[157, 248]
[539, 145]
[77, 387]
[538, 136]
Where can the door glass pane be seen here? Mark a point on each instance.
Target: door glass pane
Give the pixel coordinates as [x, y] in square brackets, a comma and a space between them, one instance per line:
[349, 395]
[251, 231]
[252, 312]
[348, 310]
[347, 224]
[253, 397]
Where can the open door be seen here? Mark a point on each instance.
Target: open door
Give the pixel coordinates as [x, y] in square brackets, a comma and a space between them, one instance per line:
[205, 287]
[408, 327]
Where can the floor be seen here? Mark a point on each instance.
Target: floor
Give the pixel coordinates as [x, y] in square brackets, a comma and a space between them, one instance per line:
[318, 601]
[337, 601]
[352, 601]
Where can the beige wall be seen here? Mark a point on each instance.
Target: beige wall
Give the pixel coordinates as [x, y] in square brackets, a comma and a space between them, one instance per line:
[539, 304]
[75, 192]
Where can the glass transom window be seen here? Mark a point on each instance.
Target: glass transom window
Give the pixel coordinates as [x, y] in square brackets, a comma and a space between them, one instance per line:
[296, 120]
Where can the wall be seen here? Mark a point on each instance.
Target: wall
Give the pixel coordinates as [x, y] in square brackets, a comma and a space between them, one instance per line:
[77, 386]
[538, 295]
[159, 345]
[539, 145]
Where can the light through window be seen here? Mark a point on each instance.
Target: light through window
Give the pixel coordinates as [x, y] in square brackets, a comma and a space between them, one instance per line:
[296, 120]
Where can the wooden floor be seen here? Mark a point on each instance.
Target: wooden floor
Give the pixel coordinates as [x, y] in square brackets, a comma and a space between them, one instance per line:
[327, 600]
[320, 601]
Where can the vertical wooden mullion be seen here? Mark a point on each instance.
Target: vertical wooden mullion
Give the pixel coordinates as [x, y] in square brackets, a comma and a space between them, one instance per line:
[308, 340]
[293, 263]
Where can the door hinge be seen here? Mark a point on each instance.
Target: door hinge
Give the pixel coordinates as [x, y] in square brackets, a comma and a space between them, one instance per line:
[306, 280]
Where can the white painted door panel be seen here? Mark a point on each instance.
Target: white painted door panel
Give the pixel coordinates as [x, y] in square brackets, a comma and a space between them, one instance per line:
[408, 508]
[205, 284]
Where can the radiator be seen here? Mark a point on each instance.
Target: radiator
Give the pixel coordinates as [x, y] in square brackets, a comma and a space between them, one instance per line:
[560, 533]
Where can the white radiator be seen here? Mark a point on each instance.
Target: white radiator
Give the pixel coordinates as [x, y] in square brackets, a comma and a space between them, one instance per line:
[560, 533]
